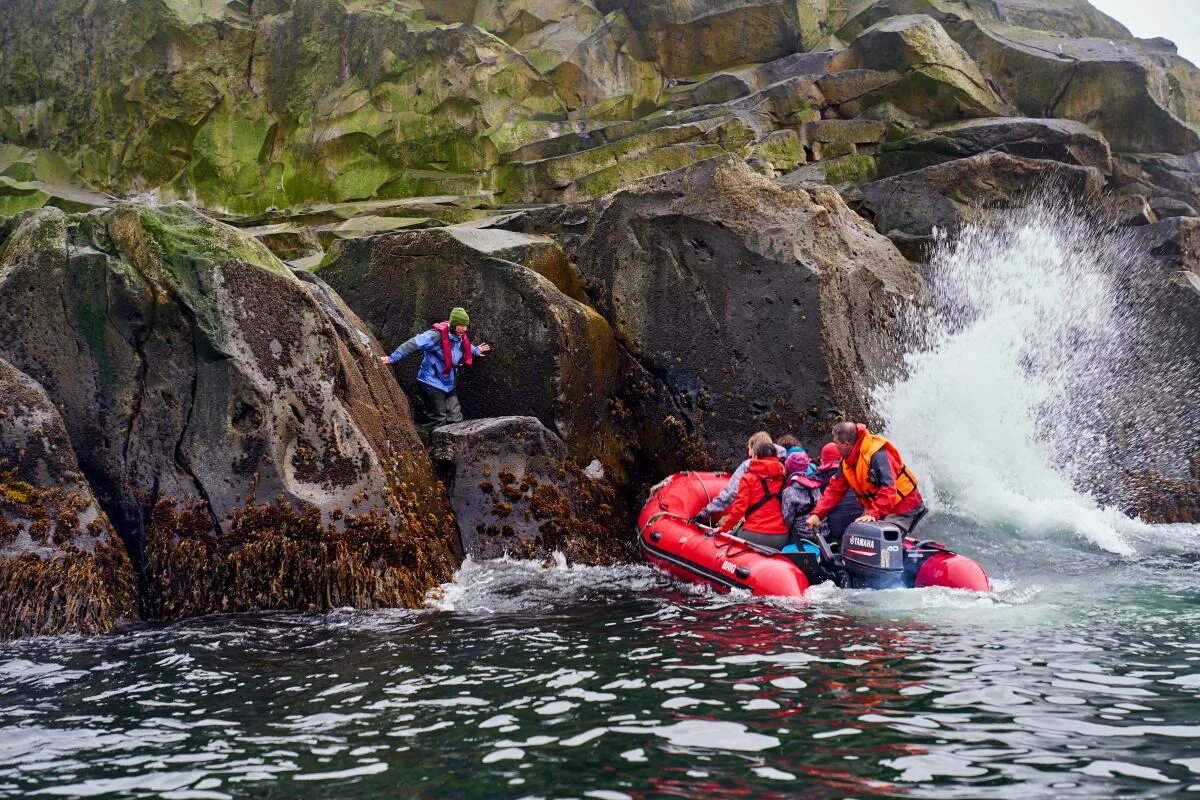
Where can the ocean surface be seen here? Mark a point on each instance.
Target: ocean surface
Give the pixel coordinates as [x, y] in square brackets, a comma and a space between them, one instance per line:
[1078, 677]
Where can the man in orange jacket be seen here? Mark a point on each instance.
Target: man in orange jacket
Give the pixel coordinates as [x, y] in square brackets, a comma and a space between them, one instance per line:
[873, 468]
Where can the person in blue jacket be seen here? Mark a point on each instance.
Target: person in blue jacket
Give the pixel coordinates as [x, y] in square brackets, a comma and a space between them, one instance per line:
[446, 347]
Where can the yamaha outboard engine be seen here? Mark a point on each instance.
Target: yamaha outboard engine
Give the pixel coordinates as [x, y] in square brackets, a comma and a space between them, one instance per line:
[873, 555]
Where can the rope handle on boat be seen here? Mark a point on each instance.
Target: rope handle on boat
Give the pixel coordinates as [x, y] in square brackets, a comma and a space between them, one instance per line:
[929, 544]
[656, 517]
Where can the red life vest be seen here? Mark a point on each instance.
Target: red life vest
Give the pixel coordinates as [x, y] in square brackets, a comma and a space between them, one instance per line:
[448, 349]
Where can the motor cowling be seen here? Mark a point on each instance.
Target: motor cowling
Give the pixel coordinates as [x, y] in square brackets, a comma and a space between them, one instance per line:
[873, 555]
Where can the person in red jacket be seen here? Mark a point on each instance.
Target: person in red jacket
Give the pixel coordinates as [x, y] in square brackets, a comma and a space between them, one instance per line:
[873, 468]
[757, 509]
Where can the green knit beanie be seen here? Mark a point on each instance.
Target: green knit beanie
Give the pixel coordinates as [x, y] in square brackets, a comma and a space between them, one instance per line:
[458, 316]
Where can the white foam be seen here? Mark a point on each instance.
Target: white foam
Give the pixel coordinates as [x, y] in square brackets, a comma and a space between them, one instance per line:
[1025, 357]
[507, 585]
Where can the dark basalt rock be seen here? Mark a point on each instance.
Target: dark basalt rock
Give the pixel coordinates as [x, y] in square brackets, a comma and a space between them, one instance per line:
[1173, 182]
[1060, 140]
[516, 492]
[63, 569]
[234, 430]
[908, 207]
[750, 305]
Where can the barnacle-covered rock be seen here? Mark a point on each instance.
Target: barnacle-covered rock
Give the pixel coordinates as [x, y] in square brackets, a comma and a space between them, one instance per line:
[201, 382]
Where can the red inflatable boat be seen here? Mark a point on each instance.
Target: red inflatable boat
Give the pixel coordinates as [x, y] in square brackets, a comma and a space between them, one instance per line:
[874, 555]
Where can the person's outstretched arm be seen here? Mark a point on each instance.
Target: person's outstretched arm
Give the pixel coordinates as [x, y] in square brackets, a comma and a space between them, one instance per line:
[422, 341]
[725, 499]
[832, 495]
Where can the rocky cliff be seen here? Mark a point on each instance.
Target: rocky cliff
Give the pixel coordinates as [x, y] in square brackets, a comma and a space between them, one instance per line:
[677, 221]
[207, 425]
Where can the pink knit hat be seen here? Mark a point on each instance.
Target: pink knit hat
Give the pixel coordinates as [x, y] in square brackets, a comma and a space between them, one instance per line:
[796, 462]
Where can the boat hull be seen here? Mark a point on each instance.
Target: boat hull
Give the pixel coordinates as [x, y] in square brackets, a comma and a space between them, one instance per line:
[671, 542]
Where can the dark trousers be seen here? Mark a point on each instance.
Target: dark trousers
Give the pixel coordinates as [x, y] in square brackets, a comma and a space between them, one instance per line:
[440, 408]
[907, 522]
[776, 541]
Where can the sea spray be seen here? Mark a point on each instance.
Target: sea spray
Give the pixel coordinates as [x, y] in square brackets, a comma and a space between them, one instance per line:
[1027, 388]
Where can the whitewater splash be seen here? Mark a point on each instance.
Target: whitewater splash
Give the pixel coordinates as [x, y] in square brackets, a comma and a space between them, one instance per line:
[1017, 393]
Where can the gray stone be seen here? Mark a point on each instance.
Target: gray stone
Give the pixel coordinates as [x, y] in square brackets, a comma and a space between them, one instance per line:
[516, 492]
[914, 203]
[1049, 139]
[749, 305]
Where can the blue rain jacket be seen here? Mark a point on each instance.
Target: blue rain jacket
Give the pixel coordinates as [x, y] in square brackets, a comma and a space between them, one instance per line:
[432, 366]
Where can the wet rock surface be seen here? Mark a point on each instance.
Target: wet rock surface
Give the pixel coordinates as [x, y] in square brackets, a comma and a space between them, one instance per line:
[1061, 140]
[749, 305]
[516, 492]
[909, 207]
[230, 431]
[63, 569]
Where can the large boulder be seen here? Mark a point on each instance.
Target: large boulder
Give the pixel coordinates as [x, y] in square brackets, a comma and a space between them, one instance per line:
[748, 305]
[698, 36]
[909, 207]
[938, 80]
[1141, 95]
[554, 358]
[1070, 17]
[516, 492]
[63, 569]
[1168, 181]
[1047, 139]
[245, 443]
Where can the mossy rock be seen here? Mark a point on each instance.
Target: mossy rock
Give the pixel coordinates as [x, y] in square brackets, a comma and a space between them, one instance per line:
[783, 150]
[840, 172]
[322, 101]
[938, 80]
[590, 173]
[196, 373]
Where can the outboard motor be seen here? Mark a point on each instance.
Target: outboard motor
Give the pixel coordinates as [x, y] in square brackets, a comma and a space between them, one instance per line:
[873, 555]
